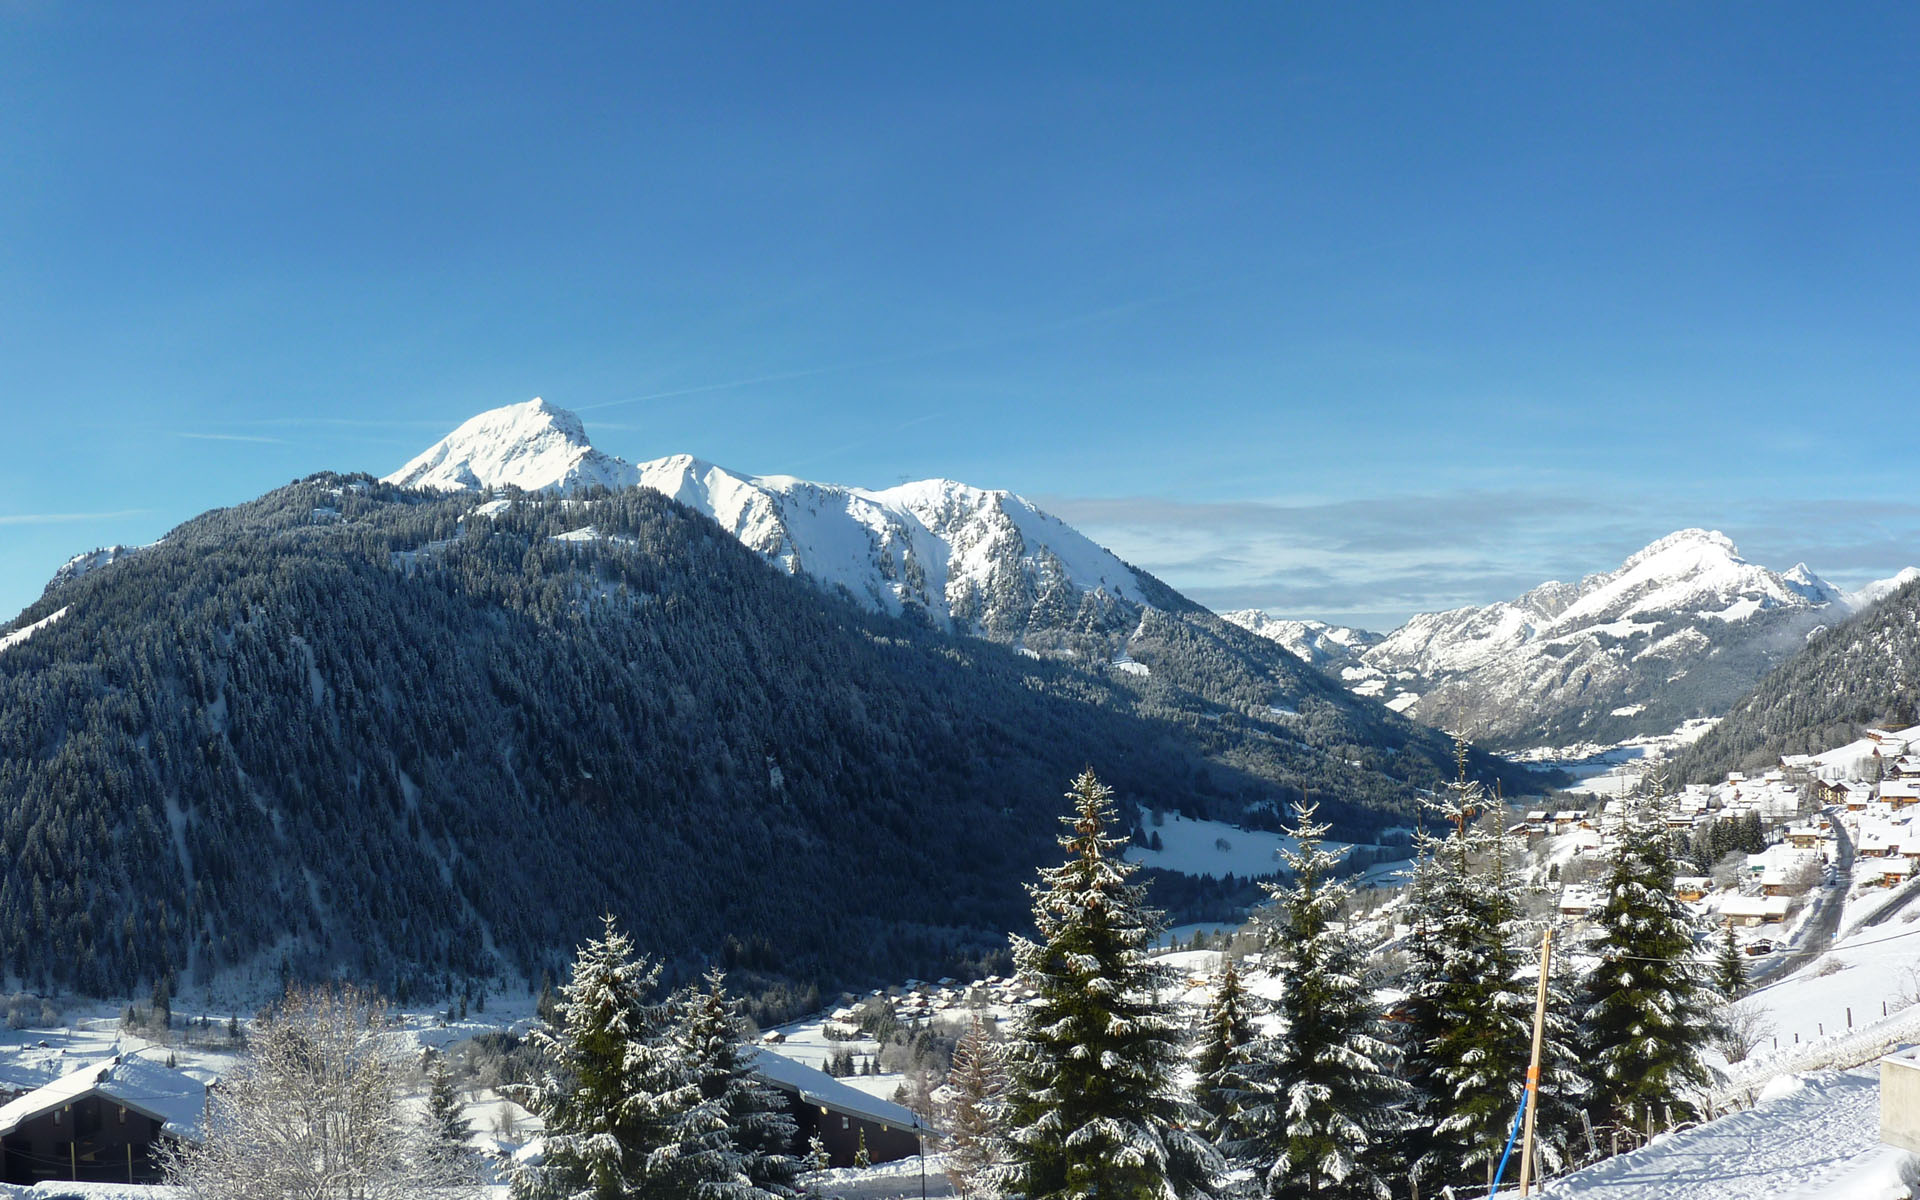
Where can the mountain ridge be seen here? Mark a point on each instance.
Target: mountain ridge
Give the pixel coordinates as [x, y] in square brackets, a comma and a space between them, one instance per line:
[1678, 631]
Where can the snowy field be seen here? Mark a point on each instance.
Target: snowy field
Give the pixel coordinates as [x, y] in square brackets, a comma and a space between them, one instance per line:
[1195, 848]
[1610, 771]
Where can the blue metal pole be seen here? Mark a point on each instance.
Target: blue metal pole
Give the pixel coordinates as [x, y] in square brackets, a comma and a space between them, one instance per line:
[1511, 1135]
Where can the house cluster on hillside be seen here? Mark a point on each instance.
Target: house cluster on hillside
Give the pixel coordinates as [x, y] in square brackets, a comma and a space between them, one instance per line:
[917, 1001]
[1762, 892]
[1870, 788]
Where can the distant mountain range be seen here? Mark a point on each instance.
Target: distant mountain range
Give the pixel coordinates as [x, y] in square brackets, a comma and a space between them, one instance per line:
[1680, 630]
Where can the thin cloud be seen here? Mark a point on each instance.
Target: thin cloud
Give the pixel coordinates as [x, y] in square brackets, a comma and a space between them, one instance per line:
[228, 437]
[69, 518]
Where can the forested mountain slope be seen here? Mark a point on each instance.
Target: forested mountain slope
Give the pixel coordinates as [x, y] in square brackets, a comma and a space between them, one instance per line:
[1861, 673]
[419, 738]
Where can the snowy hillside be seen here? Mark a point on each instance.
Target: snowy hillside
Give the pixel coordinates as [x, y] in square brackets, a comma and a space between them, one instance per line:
[1679, 631]
[82, 564]
[534, 446]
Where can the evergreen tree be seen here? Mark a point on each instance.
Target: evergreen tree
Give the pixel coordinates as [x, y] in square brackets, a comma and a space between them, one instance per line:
[1227, 1037]
[1645, 1009]
[1325, 1100]
[1468, 1035]
[817, 1159]
[616, 1096]
[1093, 1109]
[860, 1156]
[972, 1115]
[446, 1118]
[1729, 969]
[742, 1129]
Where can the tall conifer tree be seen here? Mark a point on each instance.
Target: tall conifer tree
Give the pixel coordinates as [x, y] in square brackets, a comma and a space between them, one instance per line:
[1729, 969]
[616, 1095]
[1093, 1109]
[1325, 1102]
[972, 1116]
[1228, 1035]
[1646, 1003]
[741, 1132]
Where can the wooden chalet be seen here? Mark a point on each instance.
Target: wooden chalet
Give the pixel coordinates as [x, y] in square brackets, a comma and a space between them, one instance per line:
[1578, 901]
[1803, 837]
[101, 1124]
[1900, 793]
[840, 1113]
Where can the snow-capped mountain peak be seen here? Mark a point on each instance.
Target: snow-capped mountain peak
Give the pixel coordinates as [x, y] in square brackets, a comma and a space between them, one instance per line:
[1697, 571]
[972, 558]
[1678, 630]
[979, 558]
[1328, 647]
[535, 446]
[1873, 593]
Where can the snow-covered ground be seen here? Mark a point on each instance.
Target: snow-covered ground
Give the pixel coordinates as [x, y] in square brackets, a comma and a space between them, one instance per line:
[1214, 849]
[1615, 770]
[22, 634]
[1809, 1137]
[908, 1177]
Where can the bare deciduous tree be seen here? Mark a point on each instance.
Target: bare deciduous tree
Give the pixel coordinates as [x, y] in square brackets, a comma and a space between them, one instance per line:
[1743, 1027]
[313, 1110]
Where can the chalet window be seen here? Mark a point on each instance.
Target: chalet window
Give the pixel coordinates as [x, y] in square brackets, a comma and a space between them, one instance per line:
[843, 1122]
[123, 1114]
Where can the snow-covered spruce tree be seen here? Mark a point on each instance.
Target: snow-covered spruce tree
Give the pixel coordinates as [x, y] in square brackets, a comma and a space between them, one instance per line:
[1729, 970]
[1220, 1063]
[1093, 1109]
[313, 1109]
[971, 1113]
[1325, 1107]
[446, 1118]
[1467, 1037]
[741, 1131]
[1646, 1007]
[616, 1093]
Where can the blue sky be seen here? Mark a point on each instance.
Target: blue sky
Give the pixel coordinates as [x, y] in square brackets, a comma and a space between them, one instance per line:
[1346, 311]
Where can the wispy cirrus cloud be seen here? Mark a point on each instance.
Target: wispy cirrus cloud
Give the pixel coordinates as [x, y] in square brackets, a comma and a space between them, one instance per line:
[70, 518]
[1377, 560]
[228, 437]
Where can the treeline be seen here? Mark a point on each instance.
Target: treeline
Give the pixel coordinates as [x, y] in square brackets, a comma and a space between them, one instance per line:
[1322, 1092]
[351, 728]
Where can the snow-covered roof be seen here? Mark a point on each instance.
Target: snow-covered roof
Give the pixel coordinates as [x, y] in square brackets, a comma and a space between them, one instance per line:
[1580, 896]
[1756, 906]
[173, 1098]
[818, 1087]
